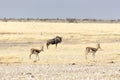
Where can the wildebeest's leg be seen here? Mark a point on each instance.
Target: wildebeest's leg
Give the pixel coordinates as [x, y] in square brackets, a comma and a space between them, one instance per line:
[47, 45]
[56, 45]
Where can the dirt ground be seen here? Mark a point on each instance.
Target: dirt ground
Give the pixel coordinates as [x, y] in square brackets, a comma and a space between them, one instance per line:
[67, 61]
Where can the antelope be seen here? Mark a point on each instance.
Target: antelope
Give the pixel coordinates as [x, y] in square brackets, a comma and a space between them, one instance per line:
[35, 51]
[92, 50]
[53, 41]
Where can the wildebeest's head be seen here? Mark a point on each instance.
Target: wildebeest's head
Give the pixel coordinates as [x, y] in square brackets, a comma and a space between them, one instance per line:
[58, 39]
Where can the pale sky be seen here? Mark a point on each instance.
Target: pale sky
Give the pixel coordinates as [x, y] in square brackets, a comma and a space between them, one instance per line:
[93, 9]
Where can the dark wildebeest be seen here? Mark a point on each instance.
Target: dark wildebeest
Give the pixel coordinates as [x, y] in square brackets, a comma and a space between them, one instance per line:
[53, 41]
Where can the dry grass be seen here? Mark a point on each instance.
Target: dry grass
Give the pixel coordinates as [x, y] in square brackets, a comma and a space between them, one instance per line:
[17, 38]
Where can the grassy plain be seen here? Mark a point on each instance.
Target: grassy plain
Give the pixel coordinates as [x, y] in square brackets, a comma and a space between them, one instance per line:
[17, 38]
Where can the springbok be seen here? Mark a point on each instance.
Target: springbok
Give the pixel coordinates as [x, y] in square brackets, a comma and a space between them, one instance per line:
[36, 52]
[92, 50]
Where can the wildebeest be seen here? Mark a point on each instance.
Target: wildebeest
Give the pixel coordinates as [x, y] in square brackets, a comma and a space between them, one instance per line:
[53, 41]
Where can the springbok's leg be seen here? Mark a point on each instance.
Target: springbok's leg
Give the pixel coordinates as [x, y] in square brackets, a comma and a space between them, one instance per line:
[37, 56]
[86, 55]
[93, 54]
[30, 56]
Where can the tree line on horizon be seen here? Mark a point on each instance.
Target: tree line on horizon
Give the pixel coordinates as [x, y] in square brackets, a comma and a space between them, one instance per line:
[67, 20]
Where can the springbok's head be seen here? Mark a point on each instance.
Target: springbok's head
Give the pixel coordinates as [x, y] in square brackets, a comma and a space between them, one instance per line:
[98, 45]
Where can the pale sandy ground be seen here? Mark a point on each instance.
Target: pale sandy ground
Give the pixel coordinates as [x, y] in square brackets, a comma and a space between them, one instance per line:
[67, 62]
[60, 72]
